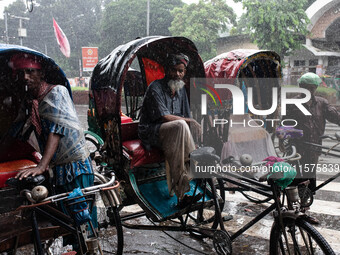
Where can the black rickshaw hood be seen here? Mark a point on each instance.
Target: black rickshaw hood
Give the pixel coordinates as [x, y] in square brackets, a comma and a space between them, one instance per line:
[111, 70]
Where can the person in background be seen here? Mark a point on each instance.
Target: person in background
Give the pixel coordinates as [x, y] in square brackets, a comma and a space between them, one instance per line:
[313, 127]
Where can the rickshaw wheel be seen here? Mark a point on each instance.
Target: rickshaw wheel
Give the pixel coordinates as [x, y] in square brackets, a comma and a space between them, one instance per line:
[222, 242]
[207, 215]
[255, 197]
[92, 145]
[110, 230]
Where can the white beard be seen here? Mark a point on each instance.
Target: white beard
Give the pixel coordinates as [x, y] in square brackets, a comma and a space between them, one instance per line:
[175, 85]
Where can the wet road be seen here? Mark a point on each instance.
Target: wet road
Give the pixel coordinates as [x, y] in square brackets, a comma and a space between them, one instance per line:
[326, 208]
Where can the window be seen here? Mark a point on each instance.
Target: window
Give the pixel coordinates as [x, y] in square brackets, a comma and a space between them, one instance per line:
[313, 62]
[299, 62]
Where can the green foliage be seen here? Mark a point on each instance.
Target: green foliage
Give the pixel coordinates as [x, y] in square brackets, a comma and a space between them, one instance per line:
[241, 27]
[78, 19]
[276, 24]
[202, 23]
[125, 20]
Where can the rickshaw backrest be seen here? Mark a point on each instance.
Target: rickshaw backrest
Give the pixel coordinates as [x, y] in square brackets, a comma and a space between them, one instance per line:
[17, 156]
[129, 131]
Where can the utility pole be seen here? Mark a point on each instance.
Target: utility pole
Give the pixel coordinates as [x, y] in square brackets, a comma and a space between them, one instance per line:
[6, 27]
[147, 18]
[22, 32]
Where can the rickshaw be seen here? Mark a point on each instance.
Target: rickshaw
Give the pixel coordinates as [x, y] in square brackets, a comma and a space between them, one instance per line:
[261, 71]
[244, 68]
[248, 67]
[29, 211]
[118, 85]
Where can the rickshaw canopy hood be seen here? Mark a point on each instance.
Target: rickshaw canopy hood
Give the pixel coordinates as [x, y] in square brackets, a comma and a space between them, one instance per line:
[111, 70]
[229, 64]
[53, 73]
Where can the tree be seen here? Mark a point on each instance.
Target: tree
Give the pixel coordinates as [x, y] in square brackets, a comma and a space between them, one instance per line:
[202, 23]
[79, 20]
[125, 20]
[241, 27]
[276, 24]
[13, 23]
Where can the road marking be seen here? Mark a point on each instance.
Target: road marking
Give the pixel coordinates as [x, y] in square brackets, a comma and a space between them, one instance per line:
[332, 186]
[262, 229]
[318, 206]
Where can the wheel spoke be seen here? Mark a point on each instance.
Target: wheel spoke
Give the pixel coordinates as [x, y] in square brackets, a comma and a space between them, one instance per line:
[302, 238]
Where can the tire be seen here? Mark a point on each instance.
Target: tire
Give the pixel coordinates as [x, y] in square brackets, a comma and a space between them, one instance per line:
[220, 187]
[92, 145]
[255, 197]
[111, 238]
[307, 238]
[206, 215]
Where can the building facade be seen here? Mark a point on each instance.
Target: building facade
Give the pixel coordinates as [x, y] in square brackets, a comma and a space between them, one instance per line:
[321, 51]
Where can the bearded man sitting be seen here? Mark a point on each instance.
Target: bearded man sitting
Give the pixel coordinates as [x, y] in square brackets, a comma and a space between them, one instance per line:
[164, 123]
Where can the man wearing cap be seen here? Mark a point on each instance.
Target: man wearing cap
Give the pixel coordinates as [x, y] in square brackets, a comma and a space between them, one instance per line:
[53, 121]
[51, 125]
[313, 126]
[166, 123]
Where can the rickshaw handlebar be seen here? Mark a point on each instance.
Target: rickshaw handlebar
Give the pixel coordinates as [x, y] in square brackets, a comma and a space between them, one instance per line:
[112, 184]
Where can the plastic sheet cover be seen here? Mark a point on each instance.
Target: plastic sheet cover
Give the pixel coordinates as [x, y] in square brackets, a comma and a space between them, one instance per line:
[79, 207]
[247, 139]
[58, 108]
